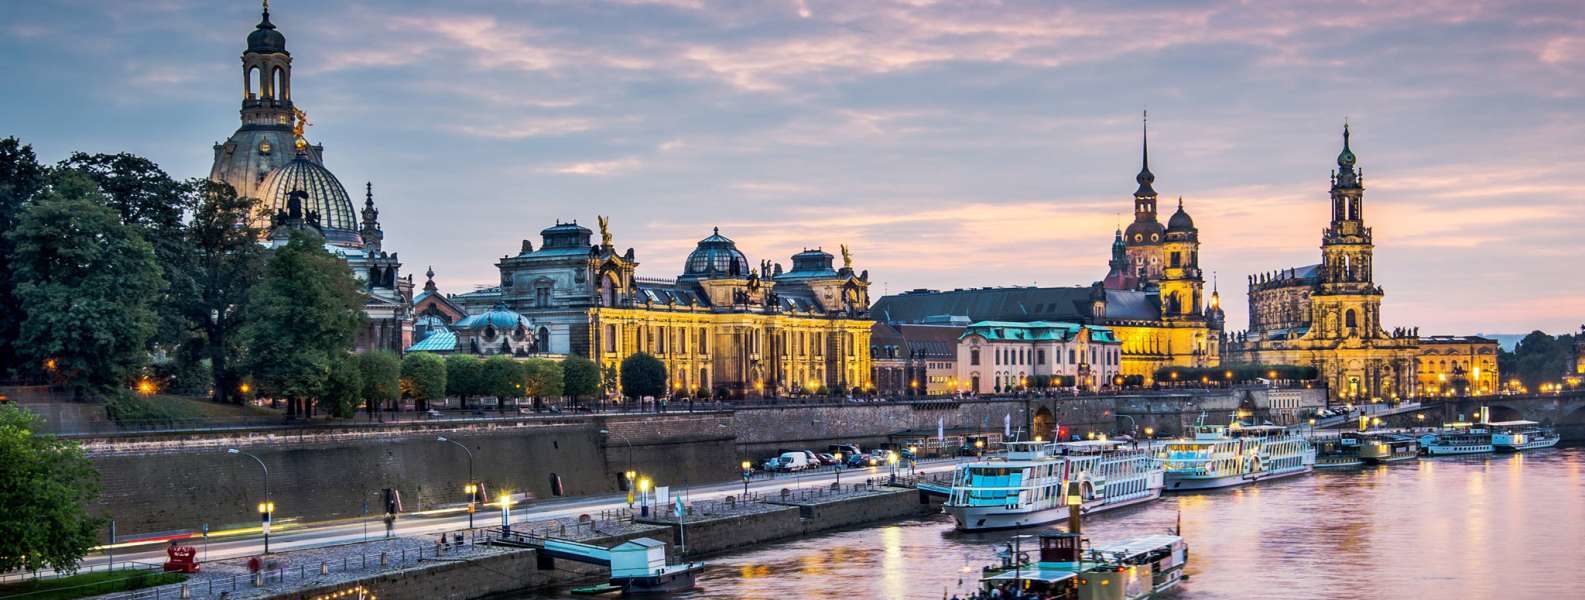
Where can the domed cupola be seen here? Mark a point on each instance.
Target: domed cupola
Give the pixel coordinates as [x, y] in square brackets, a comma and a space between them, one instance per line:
[498, 320]
[810, 264]
[1180, 221]
[326, 197]
[563, 236]
[716, 256]
[265, 39]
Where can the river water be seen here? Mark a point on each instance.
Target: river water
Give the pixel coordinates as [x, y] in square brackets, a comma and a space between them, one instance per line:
[1493, 526]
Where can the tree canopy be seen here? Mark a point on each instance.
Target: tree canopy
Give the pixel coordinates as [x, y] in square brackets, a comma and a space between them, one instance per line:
[643, 375]
[45, 487]
[463, 376]
[382, 374]
[305, 313]
[423, 378]
[21, 178]
[500, 376]
[87, 283]
[1538, 358]
[226, 261]
[542, 378]
[580, 377]
[343, 388]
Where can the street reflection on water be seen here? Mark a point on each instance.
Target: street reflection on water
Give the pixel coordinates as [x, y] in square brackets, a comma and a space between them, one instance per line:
[1492, 526]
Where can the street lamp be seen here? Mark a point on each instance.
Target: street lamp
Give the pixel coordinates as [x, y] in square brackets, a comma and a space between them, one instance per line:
[643, 490]
[748, 471]
[837, 456]
[471, 488]
[506, 512]
[267, 506]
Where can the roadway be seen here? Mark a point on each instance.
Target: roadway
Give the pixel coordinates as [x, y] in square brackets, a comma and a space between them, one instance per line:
[295, 536]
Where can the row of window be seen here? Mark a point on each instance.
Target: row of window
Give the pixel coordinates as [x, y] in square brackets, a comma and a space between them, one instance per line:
[1022, 356]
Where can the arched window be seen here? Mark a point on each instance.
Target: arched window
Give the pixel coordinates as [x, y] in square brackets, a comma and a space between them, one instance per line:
[1349, 319]
[253, 83]
[279, 91]
[542, 340]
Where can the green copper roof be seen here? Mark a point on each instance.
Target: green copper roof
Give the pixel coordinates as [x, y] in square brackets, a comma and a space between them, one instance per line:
[1036, 331]
[442, 340]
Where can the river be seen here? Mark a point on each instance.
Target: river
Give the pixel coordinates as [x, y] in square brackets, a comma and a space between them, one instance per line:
[1492, 526]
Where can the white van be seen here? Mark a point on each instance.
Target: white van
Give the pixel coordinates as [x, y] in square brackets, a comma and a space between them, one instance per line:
[792, 461]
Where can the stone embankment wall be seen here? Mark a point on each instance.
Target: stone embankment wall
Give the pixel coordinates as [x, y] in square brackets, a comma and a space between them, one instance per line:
[765, 430]
[781, 520]
[180, 482]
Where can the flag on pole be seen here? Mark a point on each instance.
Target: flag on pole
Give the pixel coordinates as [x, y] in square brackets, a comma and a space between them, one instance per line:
[680, 510]
[941, 429]
[1007, 425]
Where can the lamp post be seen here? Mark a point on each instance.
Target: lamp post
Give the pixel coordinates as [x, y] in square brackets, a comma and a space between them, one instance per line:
[837, 456]
[506, 512]
[643, 490]
[472, 487]
[267, 506]
[748, 471]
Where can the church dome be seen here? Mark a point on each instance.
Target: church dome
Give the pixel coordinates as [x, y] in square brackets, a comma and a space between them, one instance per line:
[326, 196]
[1143, 232]
[498, 318]
[716, 256]
[1180, 220]
[265, 39]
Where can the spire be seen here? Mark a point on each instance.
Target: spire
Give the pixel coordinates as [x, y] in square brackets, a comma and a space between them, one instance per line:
[370, 231]
[264, 20]
[429, 281]
[1347, 175]
[1145, 177]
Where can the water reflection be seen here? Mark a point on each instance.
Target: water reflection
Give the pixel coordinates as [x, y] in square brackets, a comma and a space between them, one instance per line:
[1451, 527]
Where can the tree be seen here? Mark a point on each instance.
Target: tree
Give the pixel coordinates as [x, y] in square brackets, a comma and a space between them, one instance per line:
[423, 378]
[502, 377]
[1538, 358]
[45, 487]
[382, 375]
[643, 375]
[343, 388]
[149, 200]
[21, 178]
[305, 312]
[87, 282]
[580, 377]
[542, 379]
[462, 376]
[226, 261]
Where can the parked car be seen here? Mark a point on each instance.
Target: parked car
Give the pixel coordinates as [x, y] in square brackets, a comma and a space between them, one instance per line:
[792, 461]
[847, 450]
[770, 464]
[826, 459]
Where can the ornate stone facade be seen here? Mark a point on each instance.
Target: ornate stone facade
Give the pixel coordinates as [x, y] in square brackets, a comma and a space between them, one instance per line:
[1451, 365]
[724, 327]
[1328, 315]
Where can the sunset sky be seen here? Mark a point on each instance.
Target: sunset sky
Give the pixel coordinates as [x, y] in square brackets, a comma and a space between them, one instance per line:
[950, 144]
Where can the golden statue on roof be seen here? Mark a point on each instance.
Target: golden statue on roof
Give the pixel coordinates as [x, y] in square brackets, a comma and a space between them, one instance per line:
[299, 123]
[605, 229]
[847, 257]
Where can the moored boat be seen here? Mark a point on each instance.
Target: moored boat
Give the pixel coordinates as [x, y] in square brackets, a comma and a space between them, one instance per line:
[1383, 448]
[1456, 438]
[1218, 456]
[1514, 436]
[1022, 488]
[1332, 453]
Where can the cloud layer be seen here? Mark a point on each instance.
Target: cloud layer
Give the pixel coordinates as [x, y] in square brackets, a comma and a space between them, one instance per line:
[951, 144]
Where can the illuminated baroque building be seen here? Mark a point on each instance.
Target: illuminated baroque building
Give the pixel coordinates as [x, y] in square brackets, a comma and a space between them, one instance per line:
[995, 356]
[269, 158]
[1328, 315]
[724, 326]
[1152, 298]
[1451, 365]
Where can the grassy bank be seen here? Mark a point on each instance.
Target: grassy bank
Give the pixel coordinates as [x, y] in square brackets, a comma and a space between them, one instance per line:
[87, 584]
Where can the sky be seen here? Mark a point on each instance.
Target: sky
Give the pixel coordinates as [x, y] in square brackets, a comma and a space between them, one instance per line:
[949, 144]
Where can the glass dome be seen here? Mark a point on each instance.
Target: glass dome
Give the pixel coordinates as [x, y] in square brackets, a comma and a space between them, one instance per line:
[716, 256]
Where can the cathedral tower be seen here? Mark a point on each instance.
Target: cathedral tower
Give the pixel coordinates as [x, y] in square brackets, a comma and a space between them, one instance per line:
[1181, 283]
[265, 140]
[1144, 236]
[1347, 303]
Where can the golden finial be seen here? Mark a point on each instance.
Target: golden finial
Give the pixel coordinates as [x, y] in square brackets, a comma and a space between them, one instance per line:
[299, 123]
[605, 229]
[847, 257]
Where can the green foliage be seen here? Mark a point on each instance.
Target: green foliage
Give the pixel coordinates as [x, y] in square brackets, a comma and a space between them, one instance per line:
[88, 283]
[643, 375]
[128, 409]
[305, 312]
[463, 376]
[382, 378]
[423, 378]
[83, 585]
[580, 377]
[500, 376]
[146, 199]
[225, 262]
[21, 178]
[542, 378]
[1538, 358]
[343, 388]
[45, 486]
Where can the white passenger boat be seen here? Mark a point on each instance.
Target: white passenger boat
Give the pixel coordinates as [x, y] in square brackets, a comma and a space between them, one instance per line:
[1457, 438]
[1022, 489]
[1218, 457]
[1513, 436]
[1069, 568]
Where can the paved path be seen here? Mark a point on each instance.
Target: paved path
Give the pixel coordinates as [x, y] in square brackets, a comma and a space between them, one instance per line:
[431, 524]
